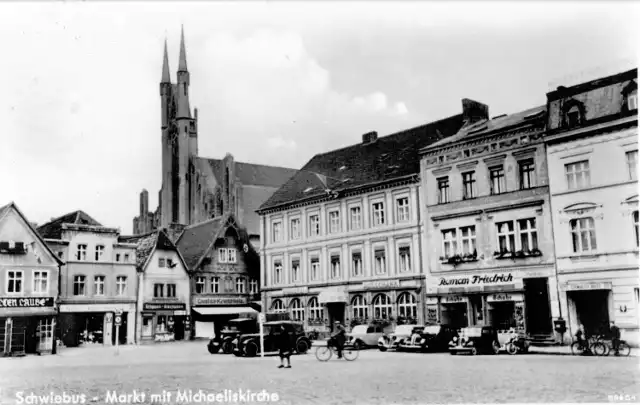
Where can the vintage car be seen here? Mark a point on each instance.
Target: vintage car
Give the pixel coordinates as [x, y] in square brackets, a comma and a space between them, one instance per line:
[249, 344]
[234, 328]
[432, 338]
[513, 342]
[398, 337]
[474, 340]
[362, 336]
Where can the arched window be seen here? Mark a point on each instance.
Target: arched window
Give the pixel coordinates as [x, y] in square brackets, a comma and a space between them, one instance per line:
[407, 306]
[382, 306]
[360, 309]
[315, 310]
[277, 306]
[297, 310]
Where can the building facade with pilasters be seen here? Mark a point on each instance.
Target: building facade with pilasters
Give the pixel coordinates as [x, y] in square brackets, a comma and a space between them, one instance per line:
[341, 239]
[592, 147]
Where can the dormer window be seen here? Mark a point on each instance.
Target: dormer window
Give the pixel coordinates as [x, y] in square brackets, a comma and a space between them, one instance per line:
[573, 117]
[632, 101]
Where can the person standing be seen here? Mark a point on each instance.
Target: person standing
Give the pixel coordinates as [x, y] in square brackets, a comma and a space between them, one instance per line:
[285, 346]
[615, 338]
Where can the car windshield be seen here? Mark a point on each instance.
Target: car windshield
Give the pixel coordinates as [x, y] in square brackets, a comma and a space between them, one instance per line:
[471, 332]
[432, 329]
[360, 329]
[404, 329]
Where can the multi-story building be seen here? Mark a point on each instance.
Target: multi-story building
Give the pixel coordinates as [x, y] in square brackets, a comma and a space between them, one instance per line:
[341, 239]
[97, 281]
[489, 239]
[29, 279]
[224, 269]
[163, 289]
[592, 147]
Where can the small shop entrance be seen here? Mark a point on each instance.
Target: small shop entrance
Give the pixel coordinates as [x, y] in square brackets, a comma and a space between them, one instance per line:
[536, 297]
[336, 313]
[454, 315]
[592, 310]
[501, 315]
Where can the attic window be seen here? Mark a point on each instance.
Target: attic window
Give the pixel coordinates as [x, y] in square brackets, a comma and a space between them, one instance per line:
[308, 189]
[467, 153]
[632, 101]
[573, 117]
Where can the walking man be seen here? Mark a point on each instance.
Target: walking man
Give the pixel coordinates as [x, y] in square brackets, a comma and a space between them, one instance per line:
[284, 346]
[615, 338]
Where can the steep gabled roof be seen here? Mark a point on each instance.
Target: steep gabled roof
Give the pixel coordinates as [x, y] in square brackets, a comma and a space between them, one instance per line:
[147, 244]
[390, 157]
[250, 174]
[53, 229]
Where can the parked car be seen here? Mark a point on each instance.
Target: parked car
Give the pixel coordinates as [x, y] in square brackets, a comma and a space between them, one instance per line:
[432, 338]
[235, 327]
[249, 344]
[474, 340]
[362, 336]
[398, 337]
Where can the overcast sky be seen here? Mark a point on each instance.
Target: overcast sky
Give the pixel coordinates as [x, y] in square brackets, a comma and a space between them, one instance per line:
[274, 82]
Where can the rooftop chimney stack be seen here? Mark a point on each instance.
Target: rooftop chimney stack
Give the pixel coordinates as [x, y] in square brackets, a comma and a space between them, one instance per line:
[474, 111]
[369, 137]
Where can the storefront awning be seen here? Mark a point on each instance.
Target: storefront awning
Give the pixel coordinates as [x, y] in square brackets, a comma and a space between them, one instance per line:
[331, 296]
[224, 310]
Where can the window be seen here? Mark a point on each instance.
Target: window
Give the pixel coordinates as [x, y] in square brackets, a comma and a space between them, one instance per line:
[443, 190]
[40, 282]
[635, 227]
[583, 235]
[402, 209]
[449, 243]
[222, 255]
[121, 285]
[314, 225]
[404, 257]
[573, 116]
[200, 285]
[215, 285]
[468, 240]
[277, 273]
[228, 284]
[335, 267]
[78, 285]
[253, 286]
[170, 263]
[295, 271]
[126, 257]
[240, 285]
[98, 285]
[527, 174]
[506, 237]
[632, 164]
[314, 268]
[407, 306]
[528, 234]
[99, 252]
[158, 290]
[334, 221]
[161, 262]
[277, 231]
[577, 175]
[60, 254]
[14, 282]
[231, 255]
[117, 257]
[297, 310]
[381, 306]
[81, 254]
[468, 185]
[171, 290]
[496, 176]
[359, 305]
[161, 324]
[356, 264]
[315, 310]
[632, 101]
[355, 218]
[295, 228]
[378, 214]
[380, 261]
[277, 306]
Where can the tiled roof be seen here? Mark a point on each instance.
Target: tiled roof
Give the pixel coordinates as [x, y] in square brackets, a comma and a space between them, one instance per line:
[252, 199]
[250, 174]
[53, 229]
[146, 244]
[389, 157]
[196, 240]
[496, 124]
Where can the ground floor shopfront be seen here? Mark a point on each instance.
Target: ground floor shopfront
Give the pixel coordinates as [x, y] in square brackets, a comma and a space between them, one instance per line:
[27, 325]
[210, 314]
[93, 323]
[595, 298]
[163, 322]
[520, 299]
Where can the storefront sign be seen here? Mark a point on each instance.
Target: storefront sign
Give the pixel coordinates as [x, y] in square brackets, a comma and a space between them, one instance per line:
[96, 308]
[26, 302]
[588, 286]
[501, 297]
[204, 301]
[477, 279]
[332, 295]
[295, 291]
[432, 301]
[382, 284]
[453, 299]
[165, 306]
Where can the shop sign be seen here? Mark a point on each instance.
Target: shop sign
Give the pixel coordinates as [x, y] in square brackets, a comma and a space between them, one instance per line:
[477, 280]
[165, 306]
[26, 302]
[332, 295]
[501, 297]
[381, 284]
[96, 308]
[432, 301]
[295, 291]
[589, 286]
[453, 299]
[204, 301]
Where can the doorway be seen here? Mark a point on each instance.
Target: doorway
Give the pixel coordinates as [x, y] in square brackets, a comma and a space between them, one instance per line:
[336, 313]
[454, 315]
[536, 297]
[592, 310]
[501, 315]
[178, 328]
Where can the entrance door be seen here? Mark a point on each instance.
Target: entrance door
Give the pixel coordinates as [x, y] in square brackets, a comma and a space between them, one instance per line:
[592, 309]
[537, 306]
[336, 313]
[45, 334]
[178, 327]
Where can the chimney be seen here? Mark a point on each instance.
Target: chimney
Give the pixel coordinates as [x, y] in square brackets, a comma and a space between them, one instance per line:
[474, 111]
[369, 137]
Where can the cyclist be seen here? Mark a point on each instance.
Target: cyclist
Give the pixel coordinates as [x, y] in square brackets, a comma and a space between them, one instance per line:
[581, 339]
[615, 338]
[339, 337]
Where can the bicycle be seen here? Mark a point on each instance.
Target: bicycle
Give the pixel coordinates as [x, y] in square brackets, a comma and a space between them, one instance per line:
[624, 349]
[586, 346]
[324, 353]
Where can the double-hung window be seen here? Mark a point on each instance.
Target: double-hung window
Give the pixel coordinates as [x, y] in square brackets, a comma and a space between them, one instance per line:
[583, 235]
[577, 175]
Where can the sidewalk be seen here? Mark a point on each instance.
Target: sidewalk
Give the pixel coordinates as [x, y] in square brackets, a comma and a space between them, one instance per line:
[566, 350]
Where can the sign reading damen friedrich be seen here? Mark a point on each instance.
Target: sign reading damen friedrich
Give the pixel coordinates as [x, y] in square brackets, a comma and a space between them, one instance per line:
[165, 306]
[26, 302]
[477, 279]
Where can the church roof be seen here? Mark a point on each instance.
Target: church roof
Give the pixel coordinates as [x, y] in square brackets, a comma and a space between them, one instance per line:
[388, 158]
[250, 174]
[53, 229]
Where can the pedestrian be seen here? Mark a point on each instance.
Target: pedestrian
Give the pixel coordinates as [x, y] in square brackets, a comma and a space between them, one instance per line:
[581, 339]
[284, 346]
[615, 338]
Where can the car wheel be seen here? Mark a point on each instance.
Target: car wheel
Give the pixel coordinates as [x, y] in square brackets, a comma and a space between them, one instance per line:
[302, 346]
[251, 349]
[227, 347]
[511, 348]
[452, 353]
[213, 349]
[382, 348]
[495, 346]
[474, 351]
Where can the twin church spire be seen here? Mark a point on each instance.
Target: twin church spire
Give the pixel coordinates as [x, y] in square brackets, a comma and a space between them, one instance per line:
[182, 63]
[182, 87]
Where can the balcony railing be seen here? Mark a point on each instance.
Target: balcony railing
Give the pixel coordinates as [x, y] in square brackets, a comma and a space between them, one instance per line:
[517, 254]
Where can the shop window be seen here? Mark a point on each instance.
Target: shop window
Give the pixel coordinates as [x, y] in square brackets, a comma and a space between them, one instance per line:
[147, 326]
[577, 175]
[334, 221]
[314, 269]
[40, 282]
[443, 190]
[404, 259]
[468, 185]
[380, 261]
[253, 286]
[527, 171]
[222, 255]
[240, 285]
[161, 324]
[14, 282]
[158, 290]
[378, 213]
[215, 285]
[402, 209]
[277, 306]
[315, 310]
[121, 285]
[231, 255]
[356, 264]
[295, 271]
[583, 235]
[277, 272]
[355, 218]
[297, 310]
[98, 285]
[99, 252]
[79, 285]
[200, 285]
[632, 164]
[81, 253]
[498, 183]
[407, 306]
[171, 290]
[294, 228]
[359, 306]
[635, 228]
[335, 267]
[382, 306]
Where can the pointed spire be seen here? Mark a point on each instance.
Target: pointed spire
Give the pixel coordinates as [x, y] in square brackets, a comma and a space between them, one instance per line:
[182, 65]
[166, 78]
